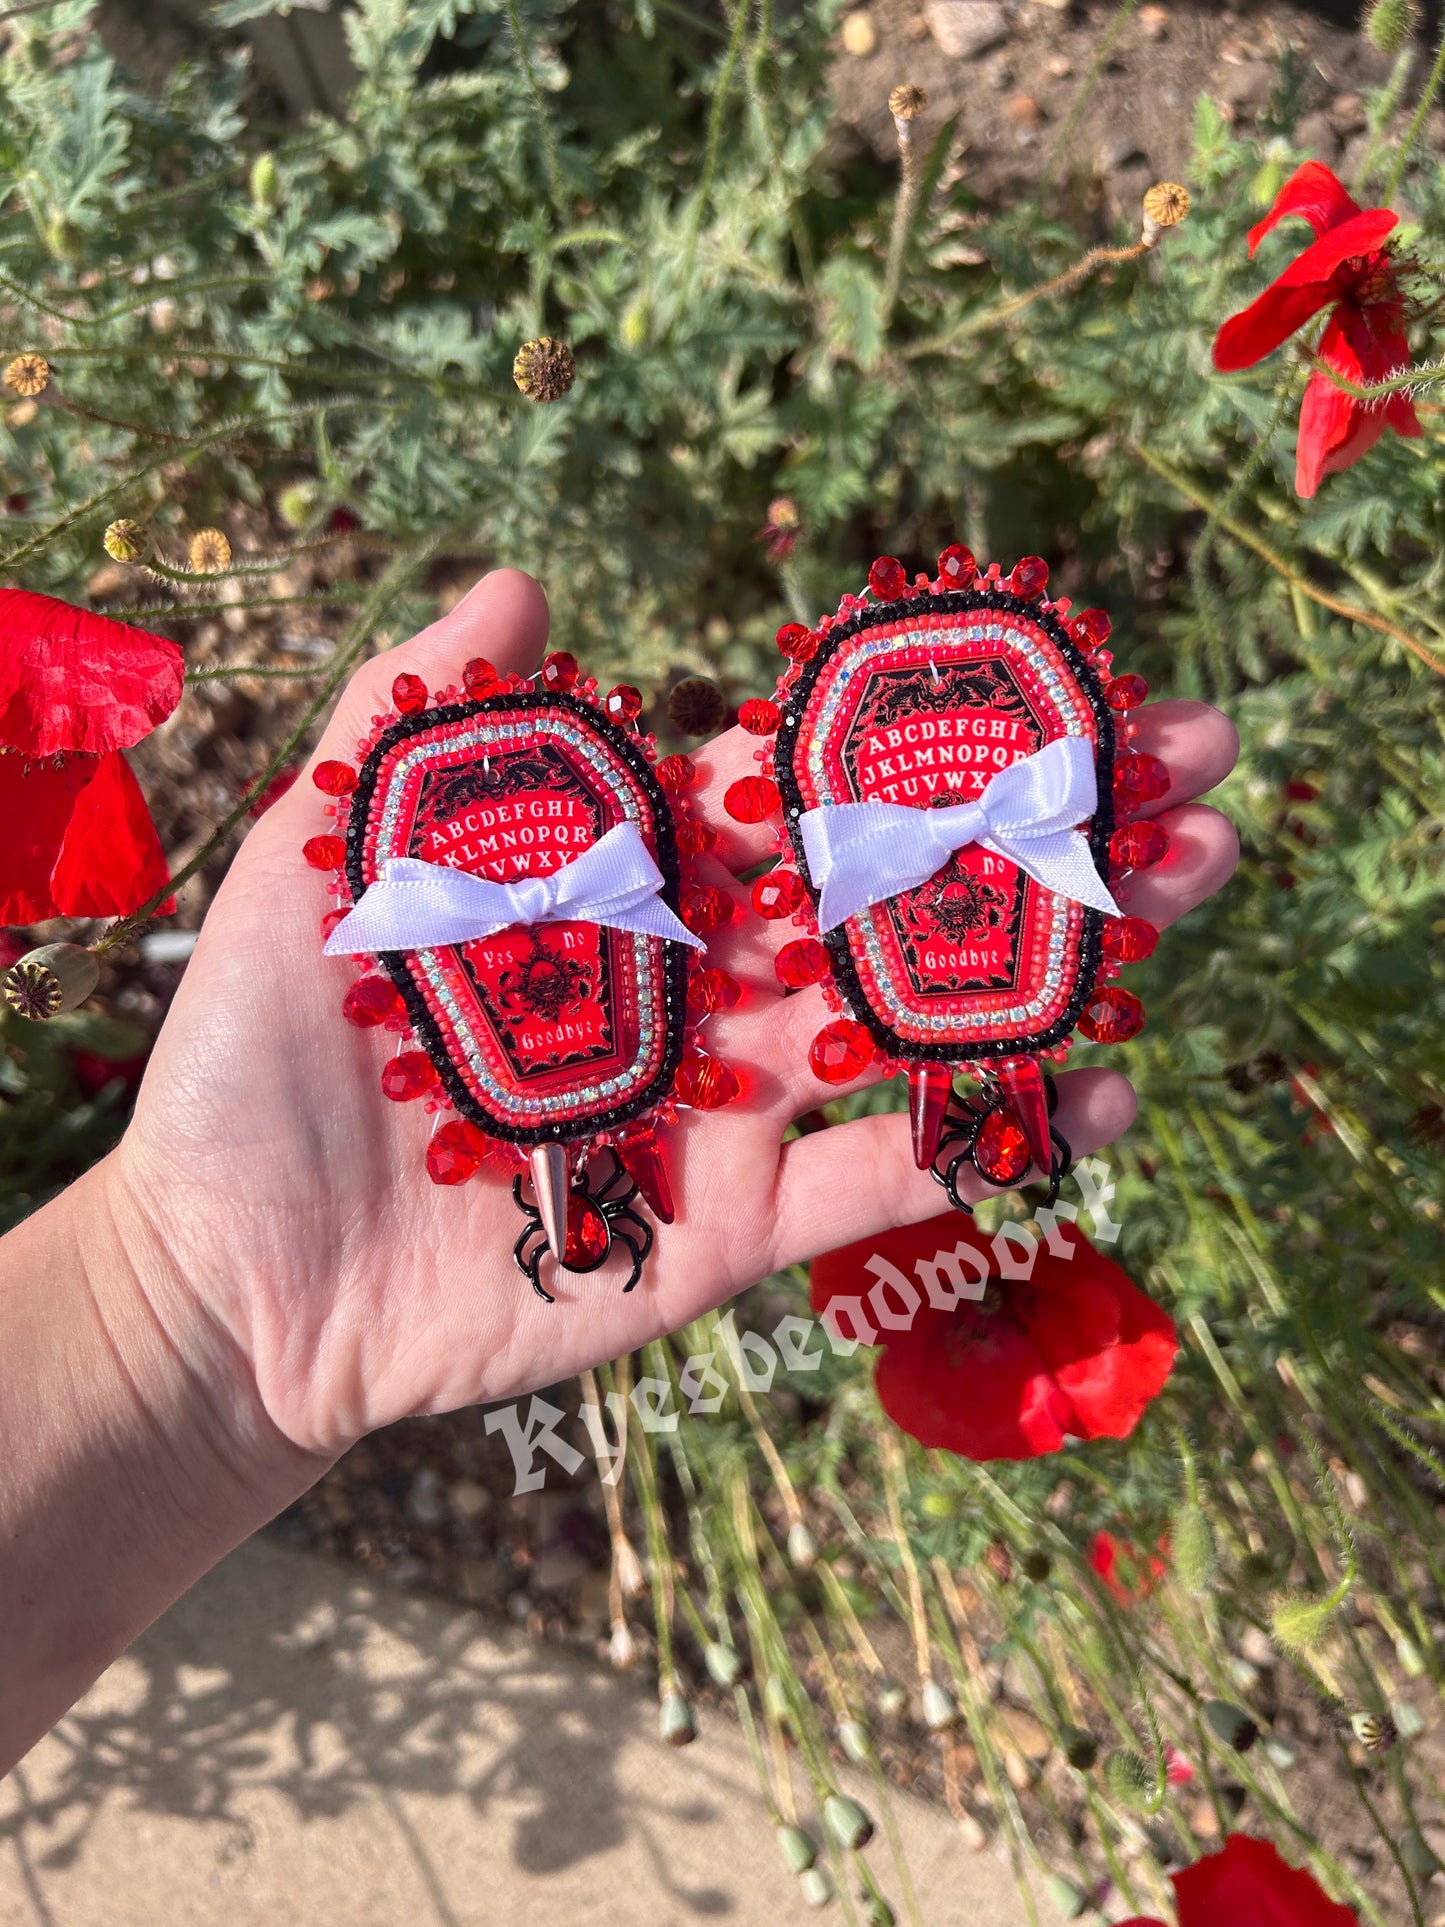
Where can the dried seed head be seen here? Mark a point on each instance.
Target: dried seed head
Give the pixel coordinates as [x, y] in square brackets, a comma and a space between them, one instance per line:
[1376, 1732]
[51, 980]
[696, 706]
[907, 102]
[126, 541]
[1165, 205]
[28, 375]
[1388, 24]
[209, 552]
[544, 369]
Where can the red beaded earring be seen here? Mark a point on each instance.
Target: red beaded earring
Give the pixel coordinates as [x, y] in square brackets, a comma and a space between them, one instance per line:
[514, 869]
[948, 761]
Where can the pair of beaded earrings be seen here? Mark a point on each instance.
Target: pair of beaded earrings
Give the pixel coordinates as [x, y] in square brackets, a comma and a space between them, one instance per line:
[944, 764]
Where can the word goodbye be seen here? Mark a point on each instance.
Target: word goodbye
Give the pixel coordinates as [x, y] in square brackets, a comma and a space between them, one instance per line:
[956, 1273]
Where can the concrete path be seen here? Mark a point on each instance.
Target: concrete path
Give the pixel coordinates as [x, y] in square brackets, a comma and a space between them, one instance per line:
[293, 1747]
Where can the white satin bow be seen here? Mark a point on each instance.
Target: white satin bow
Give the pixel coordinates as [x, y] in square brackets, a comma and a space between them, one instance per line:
[862, 853]
[415, 905]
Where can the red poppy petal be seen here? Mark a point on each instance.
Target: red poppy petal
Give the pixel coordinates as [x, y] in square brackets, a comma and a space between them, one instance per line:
[1248, 1881]
[970, 1382]
[111, 858]
[1301, 291]
[71, 680]
[1312, 192]
[1368, 345]
[36, 803]
[1108, 1345]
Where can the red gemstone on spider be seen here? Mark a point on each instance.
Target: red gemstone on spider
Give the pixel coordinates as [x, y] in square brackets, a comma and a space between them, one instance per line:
[752, 798]
[1140, 777]
[1091, 628]
[1125, 692]
[558, 672]
[706, 909]
[676, 772]
[455, 1152]
[957, 567]
[710, 990]
[841, 1051]
[1001, 1150]
[334, 779]
[705, 1083]
[1128, 939]
[759, 717]
[693, 838]
[800, 963]
[797, 641]
[370, 1001]
[1138, 845]
[623, 704]
[324, 852]
[1112, 1016]
[408, 694]
[480, 679]
[887, 578]
[1030, 577]
[779, 894]
[411, 1074]
[589, 1237]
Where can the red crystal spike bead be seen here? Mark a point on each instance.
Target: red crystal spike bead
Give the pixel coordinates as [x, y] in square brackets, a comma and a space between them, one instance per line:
[841, 1051]
[641, 1157]
[409, 1075]
[800, 963]
[455, 1152]
[1022, 1082]
[929, 1089]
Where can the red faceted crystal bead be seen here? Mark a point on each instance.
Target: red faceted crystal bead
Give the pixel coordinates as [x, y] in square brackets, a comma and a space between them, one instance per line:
[324, 852]
[1138, 845]
[370, 1001]
[841, 1051]
[705, 1083]
[1091, 628]
[330, 921]
[706, 909]
[759, 717]
[408, 694]
[796, 641]
[710, 990]
[1125, 692]
[887, 578]
[642, 1159]
[1141, 778]
[412, 1074]
[623, 704]
[801, 963]
[1030, 577]
[676, 772]
[1112, 1015]
[779, 894]
[588, 1238]
[334, 779]
[1001, 1150]
[480, 679]
[455, 1152]
[558, 672]
[957, 567]
[752, 798]
[693, 838]
[1128, 939]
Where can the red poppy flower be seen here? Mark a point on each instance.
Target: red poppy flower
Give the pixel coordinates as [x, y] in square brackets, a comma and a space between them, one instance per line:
[781, 530]
[1249, 1885]
[75, 690]
[1124, 1570]
[1348, 270]
[1074, 1349]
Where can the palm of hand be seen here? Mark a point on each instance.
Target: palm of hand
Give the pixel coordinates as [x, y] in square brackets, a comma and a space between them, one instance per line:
[292, 1195]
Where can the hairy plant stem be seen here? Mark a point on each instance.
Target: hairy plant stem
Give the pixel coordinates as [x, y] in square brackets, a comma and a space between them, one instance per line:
[1412, 132]
[1086, 90]
[539, 109]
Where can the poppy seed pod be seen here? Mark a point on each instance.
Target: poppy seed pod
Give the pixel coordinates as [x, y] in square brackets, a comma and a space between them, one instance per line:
[849, 1823]
[675, 1720]
[1388, 24]
[544, 369]
[49, 981]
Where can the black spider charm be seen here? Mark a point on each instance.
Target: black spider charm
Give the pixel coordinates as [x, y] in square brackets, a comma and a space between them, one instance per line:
[599, 1215]
[984, 1133]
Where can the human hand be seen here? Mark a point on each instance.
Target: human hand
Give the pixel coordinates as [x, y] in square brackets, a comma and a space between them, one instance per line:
[286, 1223]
